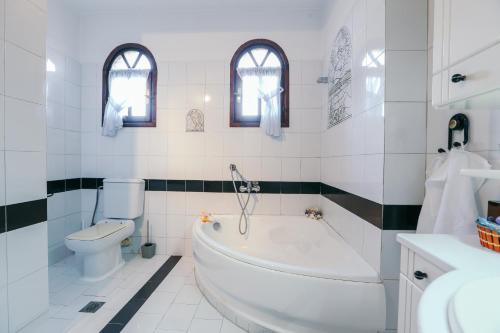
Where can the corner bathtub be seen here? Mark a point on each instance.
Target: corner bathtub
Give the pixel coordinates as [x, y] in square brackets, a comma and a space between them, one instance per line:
[291, 274]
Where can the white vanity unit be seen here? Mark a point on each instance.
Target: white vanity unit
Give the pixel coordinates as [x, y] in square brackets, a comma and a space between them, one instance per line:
[426, 261]
[466, 70]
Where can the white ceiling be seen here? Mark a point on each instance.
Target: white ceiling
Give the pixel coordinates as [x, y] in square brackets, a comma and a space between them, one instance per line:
[94, 6]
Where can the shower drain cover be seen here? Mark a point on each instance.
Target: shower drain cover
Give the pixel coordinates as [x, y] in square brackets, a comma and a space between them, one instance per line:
[92, 307]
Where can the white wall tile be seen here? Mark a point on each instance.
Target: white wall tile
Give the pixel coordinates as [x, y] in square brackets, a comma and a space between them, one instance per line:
[24, 75]
[406, 24]
[296, 204]
[26, 26]
[406, 77]
[34, 288]
[4, 310]
[310, 169]
[23, 260]
[391, 294]
[3, 262]
[31, 135]
[55, 206]
[55, 115]
[404, 177]
[404, 125]
[290, 169]
[391, 253]
[26, 175]
[372, 245]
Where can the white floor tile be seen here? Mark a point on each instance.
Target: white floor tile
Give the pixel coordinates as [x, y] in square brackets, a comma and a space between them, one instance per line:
[189, 295]
[172, 284]
[67, 295]
[205, 326]
[102, 288]
[158, 303]
[178, 317]
[118, 299]
[94, 323]
[229, 327]
[176, 306]
[207, 311]
[58, 282]
[142, 323]
[47, 325]
[183, 268]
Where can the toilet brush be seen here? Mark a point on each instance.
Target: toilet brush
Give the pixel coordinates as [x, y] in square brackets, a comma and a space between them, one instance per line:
[148, 250]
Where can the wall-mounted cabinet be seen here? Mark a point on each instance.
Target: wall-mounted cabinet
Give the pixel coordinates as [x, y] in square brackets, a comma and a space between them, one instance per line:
[466, 54]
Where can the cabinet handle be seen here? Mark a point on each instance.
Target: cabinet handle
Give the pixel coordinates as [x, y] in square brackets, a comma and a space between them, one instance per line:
[458, 78]
[420, 275]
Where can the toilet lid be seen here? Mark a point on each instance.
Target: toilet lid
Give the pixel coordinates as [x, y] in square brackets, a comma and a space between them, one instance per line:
[474, 307]
[97, 231]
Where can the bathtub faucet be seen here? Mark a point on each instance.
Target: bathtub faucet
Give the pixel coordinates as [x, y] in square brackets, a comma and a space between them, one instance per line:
[250, 187]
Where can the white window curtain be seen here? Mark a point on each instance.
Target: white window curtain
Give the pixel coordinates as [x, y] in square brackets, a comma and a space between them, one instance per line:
[267, 81]
[126, 88]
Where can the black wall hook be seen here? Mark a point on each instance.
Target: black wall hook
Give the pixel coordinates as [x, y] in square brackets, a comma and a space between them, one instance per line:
[458, 122]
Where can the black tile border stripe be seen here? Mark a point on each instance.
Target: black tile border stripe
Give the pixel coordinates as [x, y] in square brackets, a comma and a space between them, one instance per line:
[25, 214]
[121, 319]
[386, 217]
[189, 185]
[3, 225]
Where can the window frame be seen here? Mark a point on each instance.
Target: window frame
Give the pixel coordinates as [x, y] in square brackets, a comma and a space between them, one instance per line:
[152, 83]
[235, 81]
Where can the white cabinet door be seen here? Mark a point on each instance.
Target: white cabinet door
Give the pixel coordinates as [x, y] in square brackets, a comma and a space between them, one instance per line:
[466, 46]
[403, 285]
[416, 294]
[474, 26]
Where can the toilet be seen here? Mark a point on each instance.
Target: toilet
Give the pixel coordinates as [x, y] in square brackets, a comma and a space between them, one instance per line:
[99, 246]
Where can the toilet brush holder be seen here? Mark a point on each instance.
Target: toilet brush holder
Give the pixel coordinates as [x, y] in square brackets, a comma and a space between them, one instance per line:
[148, 250]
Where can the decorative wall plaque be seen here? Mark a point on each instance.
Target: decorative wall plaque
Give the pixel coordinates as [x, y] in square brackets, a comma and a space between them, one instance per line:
[339, 79]
[195, 121]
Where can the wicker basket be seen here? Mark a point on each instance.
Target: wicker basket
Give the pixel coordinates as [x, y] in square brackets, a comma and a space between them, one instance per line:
[488, 236]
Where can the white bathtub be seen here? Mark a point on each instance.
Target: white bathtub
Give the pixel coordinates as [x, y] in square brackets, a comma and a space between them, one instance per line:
[290, 274]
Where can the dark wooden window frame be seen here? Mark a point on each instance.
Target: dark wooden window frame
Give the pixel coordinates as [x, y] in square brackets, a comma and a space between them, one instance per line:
[235, 82]
[152, 83]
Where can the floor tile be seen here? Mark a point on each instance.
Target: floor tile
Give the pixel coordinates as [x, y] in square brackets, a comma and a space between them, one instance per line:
[158, 303]
[205, 326]
[68, 294]
[102, 288]
[142, 323]
[189, 295]
[57, 282]
[207, 311]
[94, 323]
[229, 327]
[178, 317]
[47, 325]
[172, 283]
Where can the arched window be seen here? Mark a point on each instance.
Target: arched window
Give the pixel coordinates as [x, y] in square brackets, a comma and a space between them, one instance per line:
[259, 70]
[129, 85]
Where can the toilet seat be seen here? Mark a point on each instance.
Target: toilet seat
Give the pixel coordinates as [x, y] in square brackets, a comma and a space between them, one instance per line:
[97, 231]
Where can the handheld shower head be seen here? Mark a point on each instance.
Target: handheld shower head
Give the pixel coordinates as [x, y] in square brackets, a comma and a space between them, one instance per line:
[235, 170]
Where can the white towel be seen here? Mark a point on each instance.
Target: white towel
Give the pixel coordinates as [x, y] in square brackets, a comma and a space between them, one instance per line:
[458, 208]
[434, 185]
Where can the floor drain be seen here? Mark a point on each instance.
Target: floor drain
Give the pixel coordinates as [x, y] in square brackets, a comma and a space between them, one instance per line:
[92, 307]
